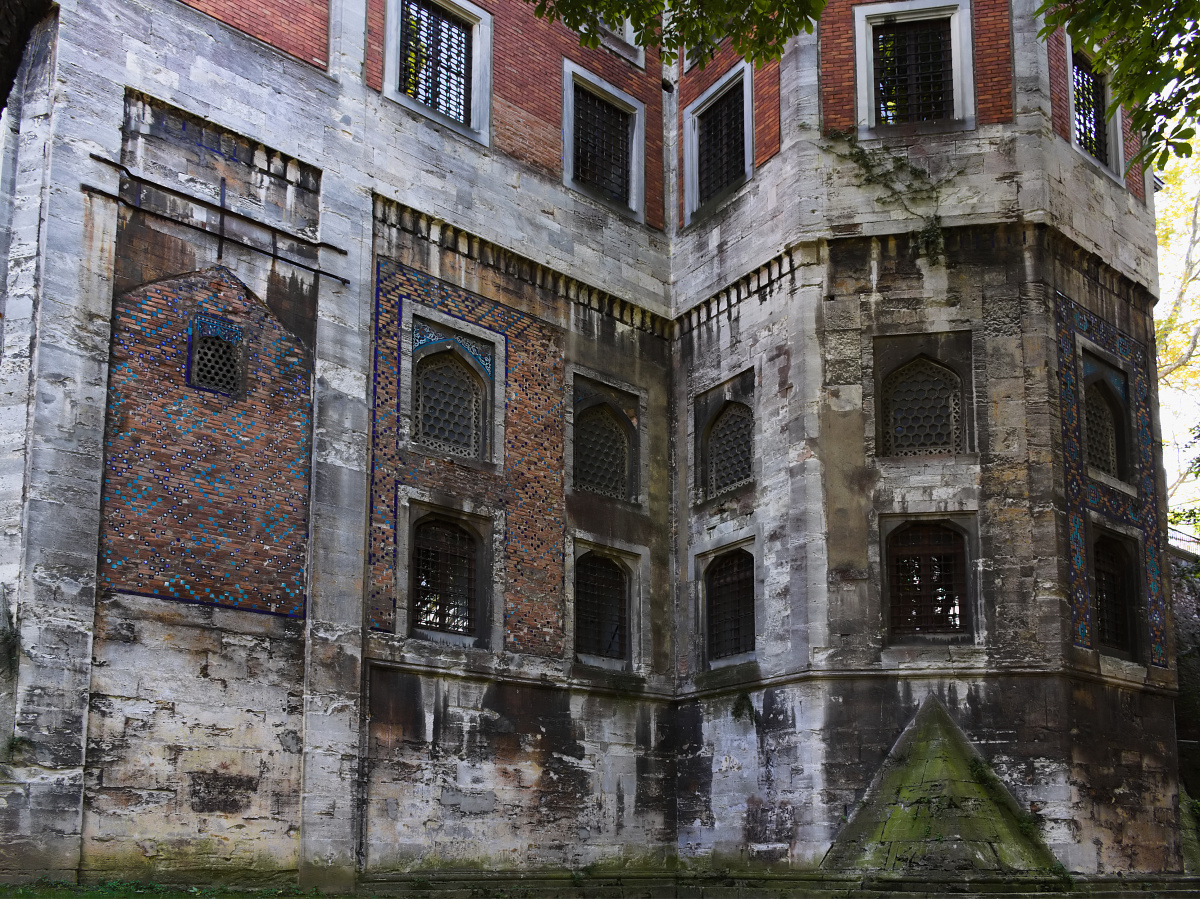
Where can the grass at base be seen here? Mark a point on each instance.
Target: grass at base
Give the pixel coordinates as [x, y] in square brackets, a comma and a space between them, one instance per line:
[154, 891]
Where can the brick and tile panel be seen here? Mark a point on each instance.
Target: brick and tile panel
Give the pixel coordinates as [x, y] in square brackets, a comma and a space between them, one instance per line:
[992, 25]
[527, 483]
[205, 496]
[527, 88]
[299, 28]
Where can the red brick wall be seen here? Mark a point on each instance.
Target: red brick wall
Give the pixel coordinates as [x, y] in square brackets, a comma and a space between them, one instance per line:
[1135, 180]
[527, 67]
[1060, 86]
[992, 25]
[205, 496]
[297, 27]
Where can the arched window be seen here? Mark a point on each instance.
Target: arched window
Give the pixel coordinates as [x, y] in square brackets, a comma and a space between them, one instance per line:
[927, 572]
[449, 405]
[730, 449]
[1113, 599]
[1104, 423]
[601, 598]
[729, 590]
[602, 452]
[444, 578]
[922, 410]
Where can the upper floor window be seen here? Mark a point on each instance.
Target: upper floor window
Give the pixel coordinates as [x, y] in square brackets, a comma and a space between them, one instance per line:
[215, 355]
[730, 449]
[1113, 597]
[914, 64]
[619, 37]
[729, 592]
[438, 62]
[1105, 428]
[927, 579]
[601, 607]
[444, 578]
[718, 140]
[604, 135]
[448, 405]
[922, 410]
[602, 452]
[1089, 97]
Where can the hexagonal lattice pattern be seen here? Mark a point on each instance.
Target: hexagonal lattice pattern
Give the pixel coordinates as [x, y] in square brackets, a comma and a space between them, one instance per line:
[922, 410]
[1101, 436]
[731, 449]
[601, 453]
[448, 406]
[215, 365]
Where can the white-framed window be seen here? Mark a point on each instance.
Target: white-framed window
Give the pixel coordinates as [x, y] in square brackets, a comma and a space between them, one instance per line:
[914, 65]
[620, 38]
[438, 63]
[1093, 133]
[604, 138]
[718, 141]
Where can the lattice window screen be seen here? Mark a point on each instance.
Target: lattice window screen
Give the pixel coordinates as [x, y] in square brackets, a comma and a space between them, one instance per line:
[216, 361]
[435, 58]
[729, 587]
[443, 594]
[721, 143]
[1113, 600]
[731, 449]
[1101, 435]
[928, 579]
[602, 455]
[602, 135]
[600, 607]
[914, 71]
[1091, 124]
[448, 406]
[922, 410]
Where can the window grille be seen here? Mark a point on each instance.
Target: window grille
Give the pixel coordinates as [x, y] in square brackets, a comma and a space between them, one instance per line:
[1091, 123]
[602, 145]
[914, 71]
[922, 410]
[215, 362]
[601, 453]
[435, 58]
[729, 585]
[1114, 589]
[1101, 435]
[721, 143]
[731, 449]
[443, 594]
[600, 607]
[448, 406]
[928, 580]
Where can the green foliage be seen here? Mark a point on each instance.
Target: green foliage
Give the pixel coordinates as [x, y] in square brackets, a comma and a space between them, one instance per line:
[743, 708]
[1150, 49]
[757, 29]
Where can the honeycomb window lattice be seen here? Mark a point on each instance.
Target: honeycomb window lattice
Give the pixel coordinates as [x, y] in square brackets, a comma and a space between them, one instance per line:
[601, 453]
[731, 449]
[922, 410]
[1101, 432]
[215, 364]
[448, 406]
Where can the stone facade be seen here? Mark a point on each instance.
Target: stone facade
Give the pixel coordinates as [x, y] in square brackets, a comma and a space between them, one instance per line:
[233, 646]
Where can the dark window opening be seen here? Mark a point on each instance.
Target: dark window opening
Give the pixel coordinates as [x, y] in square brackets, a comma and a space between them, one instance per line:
[731, 449]
[448, 406]
[922, 410]
[1104, 424]
[444, 574]
[721, 143]
[1091, 123]
[928, 580]
[600, 607]
[1113, 602]
[215, 362]
[914, 72]
[602, 456]
[435, 58]
[602, 145]
[729, 587]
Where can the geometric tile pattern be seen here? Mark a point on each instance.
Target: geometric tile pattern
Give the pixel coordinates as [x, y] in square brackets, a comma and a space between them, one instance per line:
[1084, 494]
[527, 481]
[205, 496]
